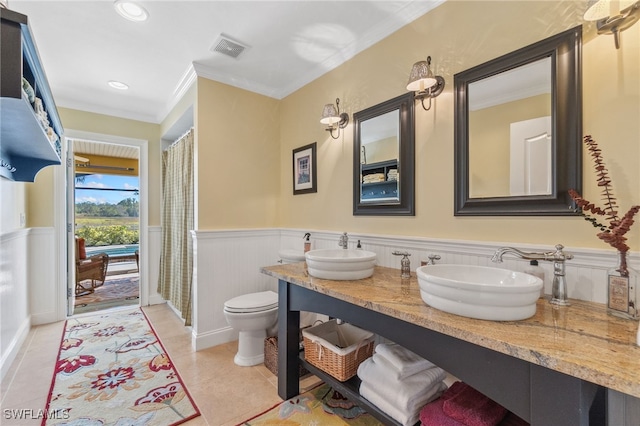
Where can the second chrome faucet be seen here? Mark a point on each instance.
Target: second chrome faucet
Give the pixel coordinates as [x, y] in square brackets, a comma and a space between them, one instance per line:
[344, 240]
[558, 257]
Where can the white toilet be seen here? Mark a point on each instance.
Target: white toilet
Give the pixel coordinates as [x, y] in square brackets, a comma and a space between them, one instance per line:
[252, 315]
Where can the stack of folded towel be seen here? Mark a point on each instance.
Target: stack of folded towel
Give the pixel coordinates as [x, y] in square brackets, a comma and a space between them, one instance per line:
[373, 178]
[393, 175]
[400, 382]
[461, 405]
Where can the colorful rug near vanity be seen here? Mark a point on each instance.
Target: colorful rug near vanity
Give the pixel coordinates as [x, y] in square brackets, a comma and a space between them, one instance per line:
[113, 369]
[319, 406]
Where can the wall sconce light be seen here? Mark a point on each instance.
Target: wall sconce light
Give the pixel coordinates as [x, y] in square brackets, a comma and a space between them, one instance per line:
[331, 115]
[424, 83]
[613, 16]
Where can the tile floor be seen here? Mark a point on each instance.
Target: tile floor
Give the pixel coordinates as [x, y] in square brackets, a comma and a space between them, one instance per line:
[226, 394]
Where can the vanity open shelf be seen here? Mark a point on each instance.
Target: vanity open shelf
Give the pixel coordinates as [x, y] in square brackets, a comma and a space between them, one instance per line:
[30, 128]
[349, 389]
[530, 367]
[381, 190]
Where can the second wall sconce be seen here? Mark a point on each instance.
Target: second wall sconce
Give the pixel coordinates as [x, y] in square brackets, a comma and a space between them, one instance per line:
[613, 16]
[334, 119]
[424, 83]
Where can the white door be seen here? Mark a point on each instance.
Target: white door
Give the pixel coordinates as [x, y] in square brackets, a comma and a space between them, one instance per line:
[531, 157]
[71, 231]
[70, 225]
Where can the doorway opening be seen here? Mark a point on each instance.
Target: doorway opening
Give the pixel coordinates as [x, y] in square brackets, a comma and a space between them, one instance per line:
[106, 223]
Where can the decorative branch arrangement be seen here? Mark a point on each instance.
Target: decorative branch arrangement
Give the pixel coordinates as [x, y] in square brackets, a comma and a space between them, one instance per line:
[613, 233]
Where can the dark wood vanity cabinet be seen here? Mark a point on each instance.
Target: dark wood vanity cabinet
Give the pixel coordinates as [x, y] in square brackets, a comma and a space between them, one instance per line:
[30, 128]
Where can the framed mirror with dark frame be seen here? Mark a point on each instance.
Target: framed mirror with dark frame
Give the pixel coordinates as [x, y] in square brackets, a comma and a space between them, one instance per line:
[384, 158]
[518, 130]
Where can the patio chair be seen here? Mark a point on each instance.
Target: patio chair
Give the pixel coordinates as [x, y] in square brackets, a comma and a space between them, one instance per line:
[93, 269]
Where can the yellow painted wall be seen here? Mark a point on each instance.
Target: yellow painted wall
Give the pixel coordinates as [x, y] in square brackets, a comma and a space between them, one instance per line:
[459, 35]
[237, 158]
[39, 199]
[382, 150]
[244, 141]
[489, 148]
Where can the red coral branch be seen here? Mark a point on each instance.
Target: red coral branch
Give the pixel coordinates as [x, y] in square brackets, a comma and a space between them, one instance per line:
[615, 237]
[614, 233]
[603, 178]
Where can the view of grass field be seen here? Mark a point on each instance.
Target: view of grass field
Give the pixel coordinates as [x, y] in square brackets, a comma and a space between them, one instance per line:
[82, 221]
[107, 210]
[98, 231]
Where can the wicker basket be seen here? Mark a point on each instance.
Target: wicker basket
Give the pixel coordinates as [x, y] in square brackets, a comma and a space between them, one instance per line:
[337, 349]
[271, 356]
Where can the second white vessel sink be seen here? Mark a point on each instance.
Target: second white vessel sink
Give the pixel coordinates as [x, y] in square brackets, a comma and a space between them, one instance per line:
[291, 255]
[480, 292]
[340, 264]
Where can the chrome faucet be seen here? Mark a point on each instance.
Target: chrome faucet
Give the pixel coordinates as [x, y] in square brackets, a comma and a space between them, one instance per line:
[344, 239]
[405, 263]
[558, 257]
[431, 261]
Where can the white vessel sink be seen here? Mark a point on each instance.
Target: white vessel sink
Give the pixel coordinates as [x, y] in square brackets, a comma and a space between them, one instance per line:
[340, 264]
[479, 291]
[291, 255]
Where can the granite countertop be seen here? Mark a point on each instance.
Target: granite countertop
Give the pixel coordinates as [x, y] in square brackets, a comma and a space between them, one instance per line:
[580, 340]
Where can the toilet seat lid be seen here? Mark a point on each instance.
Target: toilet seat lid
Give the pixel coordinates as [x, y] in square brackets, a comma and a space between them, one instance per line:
[252, 302]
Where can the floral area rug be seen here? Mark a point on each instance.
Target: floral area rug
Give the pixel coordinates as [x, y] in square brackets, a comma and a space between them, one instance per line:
[113, 370]
[319, 406]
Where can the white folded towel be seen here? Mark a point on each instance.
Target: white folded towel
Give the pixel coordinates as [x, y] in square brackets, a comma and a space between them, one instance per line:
[397, 374]
[403, 360]
[378, 369]
[407, 416]
[403, 393]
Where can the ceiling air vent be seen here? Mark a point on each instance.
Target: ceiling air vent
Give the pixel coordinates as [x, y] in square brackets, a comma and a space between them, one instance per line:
[227, 46]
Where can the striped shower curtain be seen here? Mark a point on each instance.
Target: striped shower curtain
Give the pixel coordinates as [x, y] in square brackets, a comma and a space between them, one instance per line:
[176, 255]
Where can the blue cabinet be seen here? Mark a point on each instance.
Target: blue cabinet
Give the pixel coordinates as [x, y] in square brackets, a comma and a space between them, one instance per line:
[379, 181]
[30, 128]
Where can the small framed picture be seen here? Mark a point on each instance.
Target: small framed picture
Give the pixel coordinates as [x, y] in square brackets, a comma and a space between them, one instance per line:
[304, 169]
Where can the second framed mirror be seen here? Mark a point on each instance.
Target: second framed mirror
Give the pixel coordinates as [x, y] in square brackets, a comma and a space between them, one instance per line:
[518, 130]
[383, 158]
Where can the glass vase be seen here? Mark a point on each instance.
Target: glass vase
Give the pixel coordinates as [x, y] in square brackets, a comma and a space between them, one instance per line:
[622, 290]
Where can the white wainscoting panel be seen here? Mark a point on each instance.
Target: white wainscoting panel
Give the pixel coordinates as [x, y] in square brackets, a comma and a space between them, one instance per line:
[585, 273]
[152, 269]
[227, 264]
[14, 300]
[42, 276]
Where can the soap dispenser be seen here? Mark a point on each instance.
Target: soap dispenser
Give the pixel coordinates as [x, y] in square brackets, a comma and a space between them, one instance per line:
[307, 242]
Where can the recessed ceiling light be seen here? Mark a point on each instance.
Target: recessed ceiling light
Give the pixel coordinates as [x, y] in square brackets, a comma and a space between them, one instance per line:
[118, 85]
[131, 10]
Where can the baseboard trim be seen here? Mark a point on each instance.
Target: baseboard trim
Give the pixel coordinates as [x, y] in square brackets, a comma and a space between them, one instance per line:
[212, 338]
[14, 347]
[156, 299]
[44, 318]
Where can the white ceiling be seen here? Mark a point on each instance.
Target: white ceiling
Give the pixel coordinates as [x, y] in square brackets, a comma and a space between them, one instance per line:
[84, 44]
[105, 149]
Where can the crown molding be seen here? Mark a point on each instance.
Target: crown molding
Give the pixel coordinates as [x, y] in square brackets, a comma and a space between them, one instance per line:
[100, 109]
